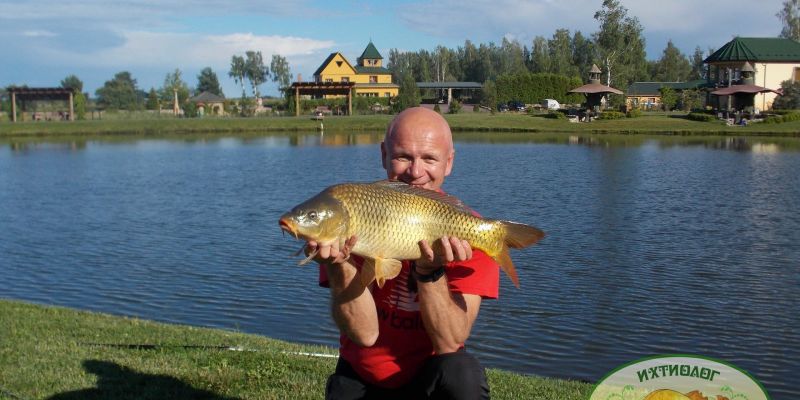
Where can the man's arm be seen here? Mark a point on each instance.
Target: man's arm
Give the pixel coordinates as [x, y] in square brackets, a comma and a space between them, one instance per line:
[352, 306]
[448, 316]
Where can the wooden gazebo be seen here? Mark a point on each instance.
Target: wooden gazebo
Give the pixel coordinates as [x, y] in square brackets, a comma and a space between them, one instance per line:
[321, 89]
[46, 94]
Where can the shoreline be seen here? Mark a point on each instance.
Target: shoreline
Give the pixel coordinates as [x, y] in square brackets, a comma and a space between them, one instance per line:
[59, 351]
[656, 124]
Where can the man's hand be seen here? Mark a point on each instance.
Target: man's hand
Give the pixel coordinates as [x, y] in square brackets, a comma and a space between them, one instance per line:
[331, 253]
[444, 251]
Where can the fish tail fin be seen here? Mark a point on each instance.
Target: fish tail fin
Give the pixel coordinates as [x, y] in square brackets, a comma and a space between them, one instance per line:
[379, 270]
[504, 259]
[521, 235]
[517, 237]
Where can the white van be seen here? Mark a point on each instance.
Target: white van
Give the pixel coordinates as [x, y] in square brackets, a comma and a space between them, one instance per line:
[551, 104]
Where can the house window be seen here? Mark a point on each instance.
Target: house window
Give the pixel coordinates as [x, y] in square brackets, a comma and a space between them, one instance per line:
[345, 79]
[329, 80]
[796, 75]
[373, 79]
[387, 94]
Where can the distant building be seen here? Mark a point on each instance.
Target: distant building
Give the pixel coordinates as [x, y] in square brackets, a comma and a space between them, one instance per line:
[773, 60]
[371, 79]
[647, 95]
[209, 103]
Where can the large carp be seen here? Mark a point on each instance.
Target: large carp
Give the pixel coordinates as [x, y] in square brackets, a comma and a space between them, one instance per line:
[389, 218]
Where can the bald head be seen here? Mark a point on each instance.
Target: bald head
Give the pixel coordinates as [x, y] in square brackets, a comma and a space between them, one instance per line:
[418, 148]
[418, 122]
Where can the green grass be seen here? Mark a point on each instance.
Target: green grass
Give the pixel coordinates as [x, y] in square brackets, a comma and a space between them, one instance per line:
[59, 353]
[673, 124]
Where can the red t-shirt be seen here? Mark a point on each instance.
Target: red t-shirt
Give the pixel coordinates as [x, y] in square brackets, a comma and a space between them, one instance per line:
[403, 344]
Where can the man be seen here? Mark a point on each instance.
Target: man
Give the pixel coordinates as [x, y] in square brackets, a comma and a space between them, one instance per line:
[406, 340]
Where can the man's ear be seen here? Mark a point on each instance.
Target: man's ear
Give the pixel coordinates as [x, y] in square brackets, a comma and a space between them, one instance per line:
[383, 156]
[449, 163]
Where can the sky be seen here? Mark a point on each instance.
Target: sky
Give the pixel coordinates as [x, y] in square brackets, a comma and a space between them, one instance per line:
[43, 41]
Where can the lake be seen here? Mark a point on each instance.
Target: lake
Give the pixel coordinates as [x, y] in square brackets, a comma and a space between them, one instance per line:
[654, 244]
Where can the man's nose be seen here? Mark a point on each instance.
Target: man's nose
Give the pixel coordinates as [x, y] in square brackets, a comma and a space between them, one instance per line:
[416, 169]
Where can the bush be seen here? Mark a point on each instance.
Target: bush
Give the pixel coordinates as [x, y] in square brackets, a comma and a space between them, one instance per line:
[611, 115]
[476, 108]
[556, 115]
[775, 119]
[437, 109]
[785, 117]
[634, 113]
[455, 107]
[701, 117]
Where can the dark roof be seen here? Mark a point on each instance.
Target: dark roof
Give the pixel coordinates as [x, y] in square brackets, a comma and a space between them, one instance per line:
[749, 89]
[757, 49]
[328, 60]
[207, 97]
[449, 85]
[371, 70]
[653, 88]
[370, 53]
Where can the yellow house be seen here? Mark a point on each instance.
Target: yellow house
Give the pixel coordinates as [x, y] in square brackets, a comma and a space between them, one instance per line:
[370, 77]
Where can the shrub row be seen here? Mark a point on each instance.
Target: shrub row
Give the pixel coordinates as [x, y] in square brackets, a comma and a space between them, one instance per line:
[702, 117]
[786, 117]
[556, 115]
[634, 113]
[611, 115]
[533, 88]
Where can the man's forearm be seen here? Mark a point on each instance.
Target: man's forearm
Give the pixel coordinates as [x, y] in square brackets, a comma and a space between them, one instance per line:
[445, 316]
[352, 305]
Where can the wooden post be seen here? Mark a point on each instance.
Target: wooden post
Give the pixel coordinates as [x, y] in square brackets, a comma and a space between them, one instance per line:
[449, 95]
[13, 107]
[350, 101]
[175, 108]
[71, 108]
[297, 101]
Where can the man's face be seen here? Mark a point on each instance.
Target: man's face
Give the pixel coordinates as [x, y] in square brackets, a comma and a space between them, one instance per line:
[419, 157]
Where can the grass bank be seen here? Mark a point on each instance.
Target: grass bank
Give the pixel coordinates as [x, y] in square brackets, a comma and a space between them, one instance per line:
[468, 121]
[59, 353]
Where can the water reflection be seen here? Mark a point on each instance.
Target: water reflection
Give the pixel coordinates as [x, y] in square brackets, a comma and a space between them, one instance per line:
[336, 139]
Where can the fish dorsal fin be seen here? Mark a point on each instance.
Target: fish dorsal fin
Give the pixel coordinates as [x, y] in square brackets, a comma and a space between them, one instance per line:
[445, 198]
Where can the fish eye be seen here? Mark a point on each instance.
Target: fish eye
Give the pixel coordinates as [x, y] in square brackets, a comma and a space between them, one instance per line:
[312, 215]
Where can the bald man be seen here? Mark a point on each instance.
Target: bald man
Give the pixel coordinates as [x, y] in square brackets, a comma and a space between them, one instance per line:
[406, 340]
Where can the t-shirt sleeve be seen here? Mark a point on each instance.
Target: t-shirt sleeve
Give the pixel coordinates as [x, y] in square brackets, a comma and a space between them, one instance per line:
[479, 275]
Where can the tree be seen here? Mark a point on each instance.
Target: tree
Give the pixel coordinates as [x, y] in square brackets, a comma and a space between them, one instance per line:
[72, 82]
[207, 82]
[699, 70]
[668, 98]
[280, 72]
[255, 70]
[672, 66]
[489, 94]
[237, 71]
[119, 93]
[620, 45]
[540, 55]
[80, 106]
[583, 51]
[790, 18]
[791, 96]
[409, 93]
[174, 82]
[152, 100]
[560, 49]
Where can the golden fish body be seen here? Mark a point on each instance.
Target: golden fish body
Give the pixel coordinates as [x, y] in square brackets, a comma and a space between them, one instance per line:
[391, 218]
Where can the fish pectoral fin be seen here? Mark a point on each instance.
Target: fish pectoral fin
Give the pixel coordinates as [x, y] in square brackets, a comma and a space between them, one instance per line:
[379, 270]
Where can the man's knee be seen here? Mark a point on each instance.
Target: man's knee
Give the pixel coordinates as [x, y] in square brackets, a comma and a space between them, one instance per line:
[456, 375]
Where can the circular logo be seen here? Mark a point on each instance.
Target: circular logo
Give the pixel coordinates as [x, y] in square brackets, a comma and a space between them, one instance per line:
[678, 377]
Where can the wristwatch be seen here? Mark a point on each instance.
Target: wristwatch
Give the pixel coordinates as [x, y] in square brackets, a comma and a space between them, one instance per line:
[432, 277]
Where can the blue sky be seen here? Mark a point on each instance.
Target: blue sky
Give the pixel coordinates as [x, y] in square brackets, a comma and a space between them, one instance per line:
[46, 40]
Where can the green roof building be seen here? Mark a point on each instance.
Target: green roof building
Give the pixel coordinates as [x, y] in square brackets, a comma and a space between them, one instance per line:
[773, 61]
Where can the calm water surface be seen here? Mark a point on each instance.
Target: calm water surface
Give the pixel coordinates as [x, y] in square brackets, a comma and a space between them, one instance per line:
[655, 245]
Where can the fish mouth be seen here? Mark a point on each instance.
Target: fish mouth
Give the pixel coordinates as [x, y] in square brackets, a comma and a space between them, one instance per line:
[288, 226]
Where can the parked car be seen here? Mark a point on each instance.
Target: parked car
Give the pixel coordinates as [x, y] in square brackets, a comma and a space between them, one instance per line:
[502, 107]
[516, 105]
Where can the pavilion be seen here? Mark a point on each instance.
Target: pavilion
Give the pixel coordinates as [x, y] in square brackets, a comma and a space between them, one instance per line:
[40, 94]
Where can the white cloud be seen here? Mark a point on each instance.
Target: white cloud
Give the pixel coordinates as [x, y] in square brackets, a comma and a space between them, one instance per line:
[183, 50]
[38, 33]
